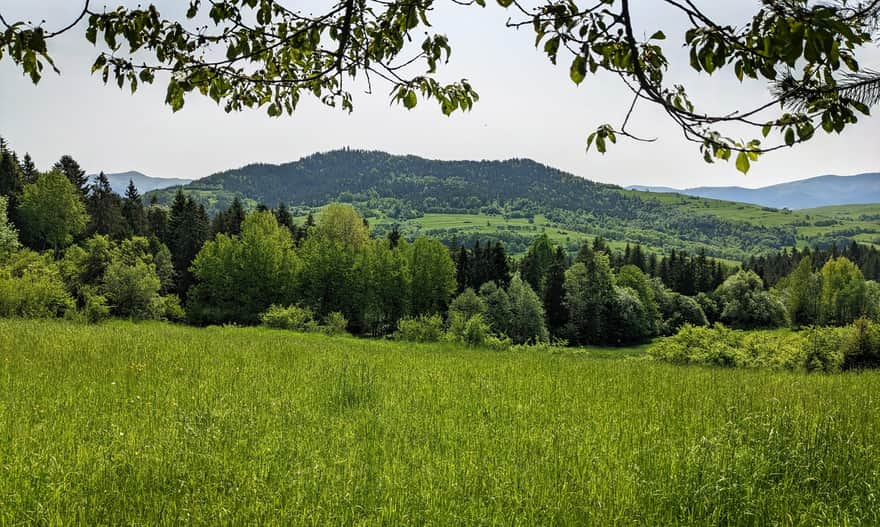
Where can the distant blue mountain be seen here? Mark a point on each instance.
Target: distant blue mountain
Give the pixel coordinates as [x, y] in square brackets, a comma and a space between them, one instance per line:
[143, 182]
[809, 193]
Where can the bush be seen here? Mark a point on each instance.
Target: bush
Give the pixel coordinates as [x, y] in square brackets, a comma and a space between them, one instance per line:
[335, 324]
[823, 349]
[294, 318]
[468, 304]
[425, 328]
[94, 305]
[817, 349]
[32, 288]
[861, 346]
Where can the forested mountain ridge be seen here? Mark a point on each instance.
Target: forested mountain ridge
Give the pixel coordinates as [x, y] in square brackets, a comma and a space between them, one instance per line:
[399, 189]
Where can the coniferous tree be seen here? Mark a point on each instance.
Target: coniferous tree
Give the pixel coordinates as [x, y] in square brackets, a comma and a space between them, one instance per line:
[11, 180]
[133, 211]
[70, 168]
[105, 209]
[188, 229]
[394, 236]
[462, 269]
[499, 265]
[29, 171]
[554, 293]
[283, 216]
[229, 221]
[157, 221]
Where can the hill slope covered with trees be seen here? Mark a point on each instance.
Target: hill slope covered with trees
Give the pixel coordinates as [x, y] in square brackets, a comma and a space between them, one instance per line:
[390, 189]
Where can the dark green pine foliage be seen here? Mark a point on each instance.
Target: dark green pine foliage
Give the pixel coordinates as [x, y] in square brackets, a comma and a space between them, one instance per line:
[70, 168]
[283, 216]
[462, 269]
[536, 263]
[499, 265]
[157, 221]
[11, 180]
[554, 294]
[29, 171]
[394, 236]
[105, 209]
[133, 212]
[188, 229]
[229, 221]
[773, 267]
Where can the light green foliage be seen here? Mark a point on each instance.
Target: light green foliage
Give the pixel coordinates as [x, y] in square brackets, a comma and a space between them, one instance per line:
[424, 328]
[498, 304]
[747, 305]
[31, 287]
[861, 348]
[94, 305]
[334, 266]
[526, 323]
[335, 323]
[433, 276]
[340, 223]
[51, 212]
[293, 318]
[239, 277]
[468, 304]
[8, 235]
[676, 310]
[872, 300]
[385, 273]
[843, 292]
[632, 277]
[817, 349]
[231, 414]
[471, 331]
[131, 288]
[801, 293]
[628, 320]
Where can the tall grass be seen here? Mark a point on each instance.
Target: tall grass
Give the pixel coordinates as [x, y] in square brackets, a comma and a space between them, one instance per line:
[154, 424]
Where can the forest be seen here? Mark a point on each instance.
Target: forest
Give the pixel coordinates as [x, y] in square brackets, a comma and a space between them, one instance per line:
[78, 250]
[407, 187]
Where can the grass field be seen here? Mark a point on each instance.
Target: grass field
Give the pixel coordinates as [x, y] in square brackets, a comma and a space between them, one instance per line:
[155, 424]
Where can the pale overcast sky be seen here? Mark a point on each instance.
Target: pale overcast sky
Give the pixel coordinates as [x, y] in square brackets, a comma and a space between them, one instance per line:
[528, 108]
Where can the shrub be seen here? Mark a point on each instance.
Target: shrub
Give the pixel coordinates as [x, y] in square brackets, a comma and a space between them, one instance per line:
[94, 305]
[468, 304]
[815, 349]
[291, 317]
[335, 323]
[32, 288]
[823, 349]
[861, 346]
[424, 328]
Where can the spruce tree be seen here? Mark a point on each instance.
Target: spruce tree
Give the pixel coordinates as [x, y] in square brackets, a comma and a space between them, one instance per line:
[282, 215]
[29, 171]
[462, 269]
[70, 168]
[105, 208]
[133, 211]
[554, 294]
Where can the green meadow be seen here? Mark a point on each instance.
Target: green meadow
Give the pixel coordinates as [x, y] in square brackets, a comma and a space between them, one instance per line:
[156, 424]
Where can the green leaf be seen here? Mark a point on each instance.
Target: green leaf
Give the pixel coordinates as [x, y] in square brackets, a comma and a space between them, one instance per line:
[742, 162]
[410, 100]
[578, 69]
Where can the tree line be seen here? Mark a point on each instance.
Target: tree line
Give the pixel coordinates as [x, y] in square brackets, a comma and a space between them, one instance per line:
[70, 247]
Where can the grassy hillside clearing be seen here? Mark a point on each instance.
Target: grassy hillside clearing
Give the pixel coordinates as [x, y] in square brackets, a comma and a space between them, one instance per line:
[156, 424]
